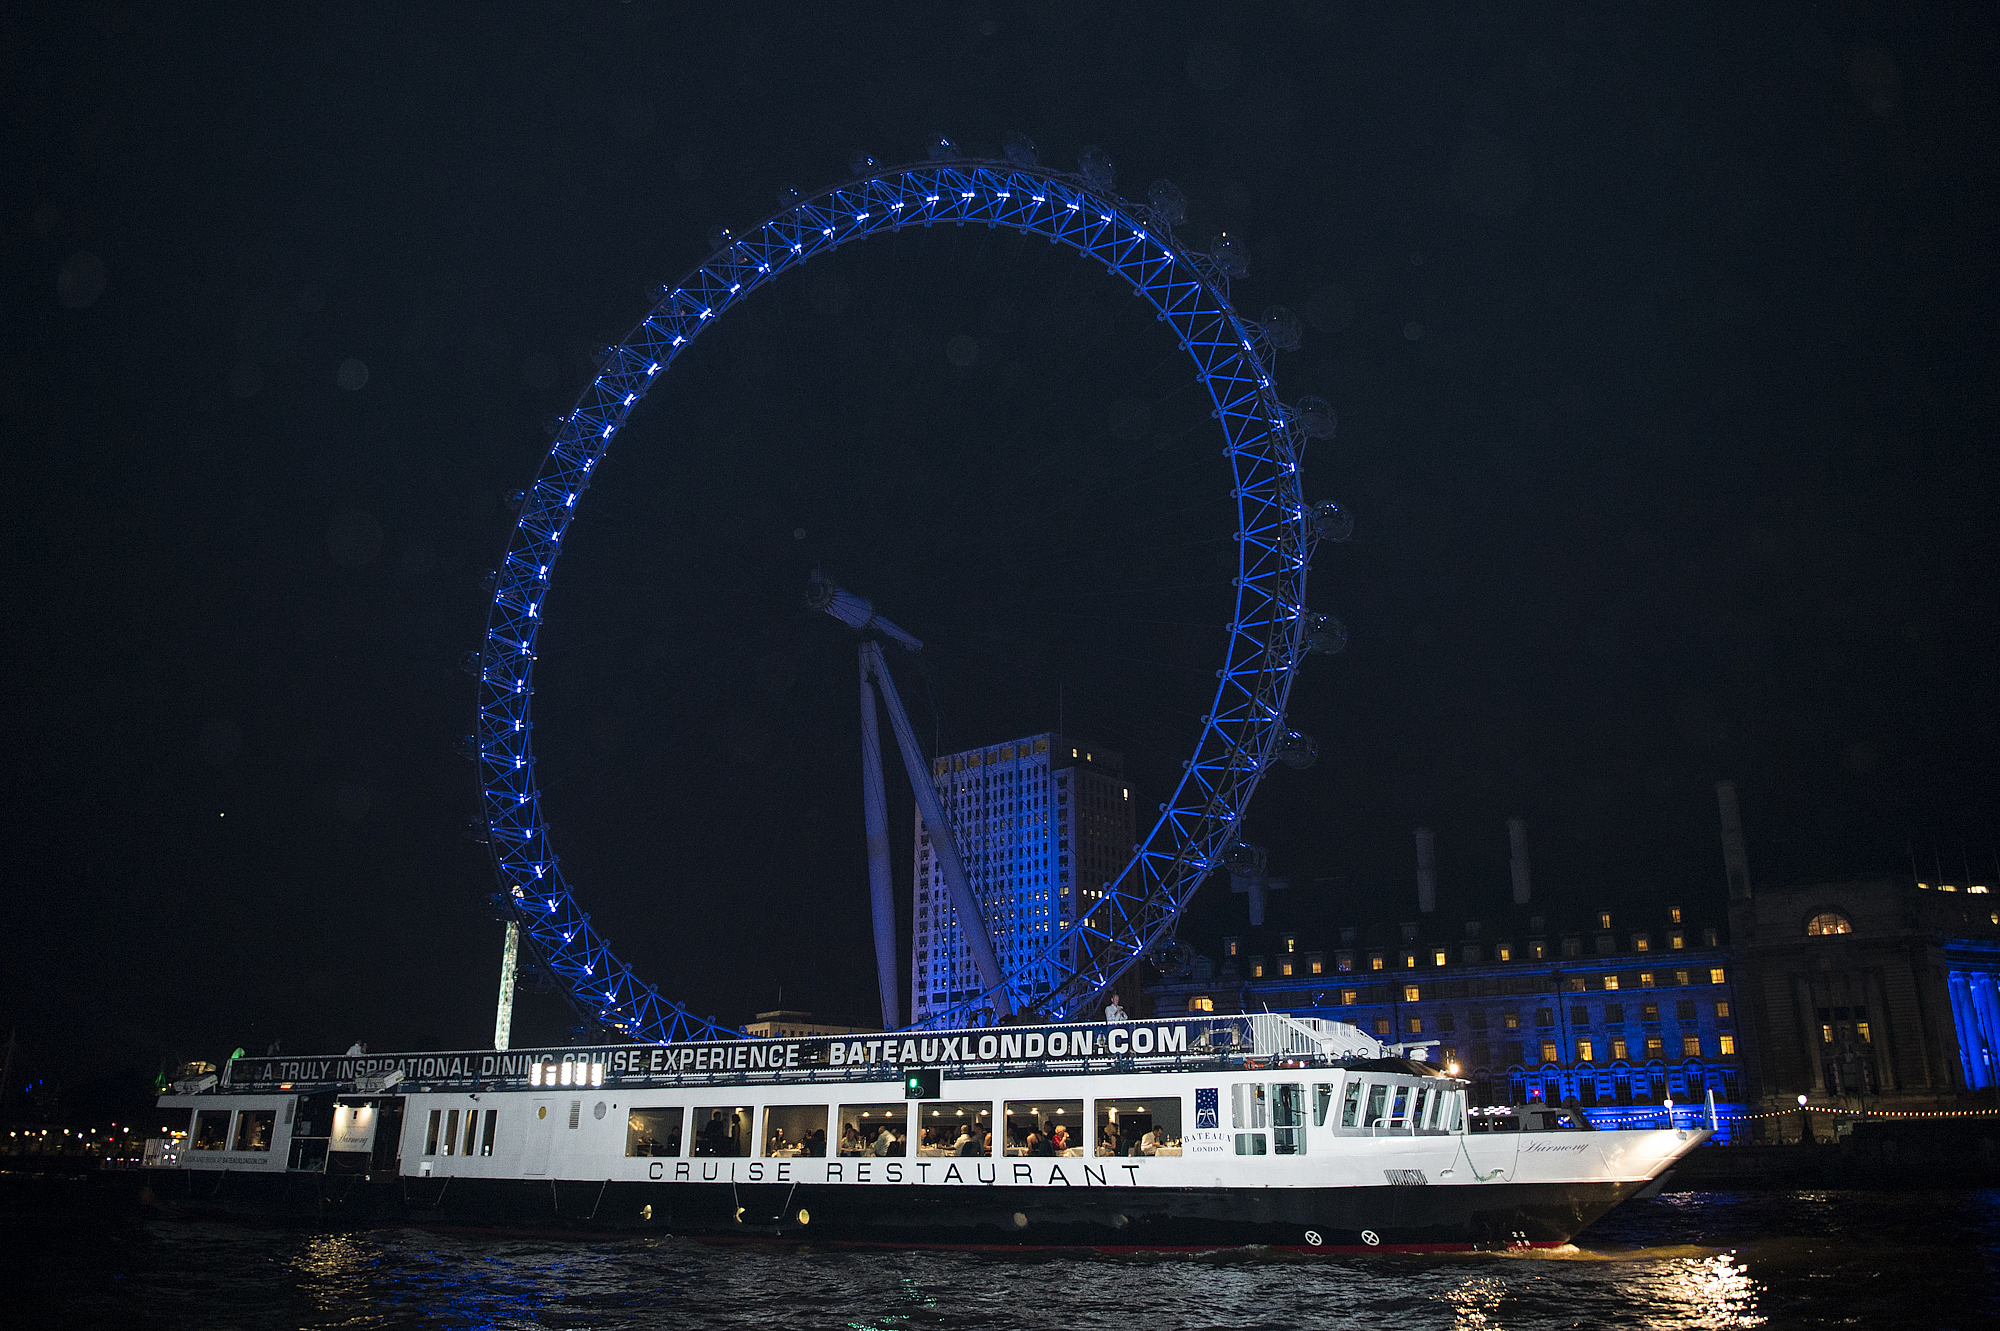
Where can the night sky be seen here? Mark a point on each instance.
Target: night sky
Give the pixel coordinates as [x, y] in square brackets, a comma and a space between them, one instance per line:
[1662, 341]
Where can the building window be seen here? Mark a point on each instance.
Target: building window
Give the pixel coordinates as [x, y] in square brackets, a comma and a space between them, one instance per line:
[1409, 961]
[1674, 914]
[1655, 1047]
[1291, 943]
[1445, 1022]
[1645, 979]
[1584, 1052]
[1604, 919]
[1611, 983]
[1828, 922]
[1711, 938]
[1285, 966]
[1343, 962]
[1410, 993]
[1514, 1052]
[1649, 1012]
[1511, 1020]
[1618, 1054]
[1256, 968]
[1471, 954]
[1572, 947]
[1722, 1012]
[1614, 1012]
[1579, 1016]
[1504, 952]
[1549, 1051]
[1676, 940]
[1437, 957]
[1201, 1003]
[1416, 1025]
[1642, 943]
[1545, 1016]
[1479, 1019]
[1684, 1010]
[1349, 997]
[1375, 962]
[1728, 1043]
[1825, 1034]
[1381, 1025]
[1606, 945]
[1690, 1045]
[1315, 963]
[1575, 984]
[1861, 1029]
[1538, 952]
[1715, 975]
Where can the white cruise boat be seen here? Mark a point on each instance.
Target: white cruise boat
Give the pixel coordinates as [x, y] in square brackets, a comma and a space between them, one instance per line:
[1188, 1134]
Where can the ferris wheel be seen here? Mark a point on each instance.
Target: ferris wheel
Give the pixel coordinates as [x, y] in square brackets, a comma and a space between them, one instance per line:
[1260, 442]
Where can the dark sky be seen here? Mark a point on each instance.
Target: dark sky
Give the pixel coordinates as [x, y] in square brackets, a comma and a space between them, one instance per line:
[1662, 340]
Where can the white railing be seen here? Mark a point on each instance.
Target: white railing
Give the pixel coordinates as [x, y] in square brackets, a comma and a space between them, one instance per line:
[1275, 1035]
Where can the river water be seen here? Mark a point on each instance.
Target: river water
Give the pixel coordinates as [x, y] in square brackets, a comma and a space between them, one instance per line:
[1767, 1259]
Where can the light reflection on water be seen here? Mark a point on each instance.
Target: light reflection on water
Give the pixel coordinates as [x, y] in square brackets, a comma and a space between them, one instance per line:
[1686, 1261]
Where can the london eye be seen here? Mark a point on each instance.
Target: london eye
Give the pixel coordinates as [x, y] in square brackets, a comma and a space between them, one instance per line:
[1257, 442]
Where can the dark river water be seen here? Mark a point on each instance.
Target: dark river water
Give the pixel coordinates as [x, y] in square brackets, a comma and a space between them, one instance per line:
[1767, 1259]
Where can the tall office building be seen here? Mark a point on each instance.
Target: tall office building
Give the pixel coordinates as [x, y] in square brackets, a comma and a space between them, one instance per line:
[1043, 824]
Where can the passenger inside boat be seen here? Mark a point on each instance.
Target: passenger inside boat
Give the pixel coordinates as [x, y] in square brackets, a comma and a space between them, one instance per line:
[1047, 1127]
[948, 1127]
[653, 1131]
[723, 1131]
[881, 1130]
[1149, 1127]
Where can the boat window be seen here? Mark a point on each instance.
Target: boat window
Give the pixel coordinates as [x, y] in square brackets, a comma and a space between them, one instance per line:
[1322, 1101]
[1248, 1106]
[1437, 1107]
[211, 1130]
[1350, 1105]
[794, 1130]
[1045, 1127]
[654, 1131]
[253, 1129]
[1417, 1110]
[492, 1126]
[1139, 1127]
[1378, 1100]
[721, 1130]
[950, 1127]
[863, 1129]
[450, 1131]
[1402, 1102]
[1288, 1119]
[471, 1131]
[431, 1132]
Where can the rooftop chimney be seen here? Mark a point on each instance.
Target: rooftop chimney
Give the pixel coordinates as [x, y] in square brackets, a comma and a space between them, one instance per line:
[1427, 879]
[1734, 862]
[1517, 841]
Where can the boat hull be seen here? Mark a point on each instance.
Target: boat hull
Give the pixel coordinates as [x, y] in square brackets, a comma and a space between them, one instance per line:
[1469, 1217]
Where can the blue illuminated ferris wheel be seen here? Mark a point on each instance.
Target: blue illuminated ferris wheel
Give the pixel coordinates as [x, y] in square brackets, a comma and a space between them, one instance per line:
[1271, 630]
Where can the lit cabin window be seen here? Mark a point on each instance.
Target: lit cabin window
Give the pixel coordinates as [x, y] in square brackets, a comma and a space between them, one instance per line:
[1828, 922]
[1201, 1003]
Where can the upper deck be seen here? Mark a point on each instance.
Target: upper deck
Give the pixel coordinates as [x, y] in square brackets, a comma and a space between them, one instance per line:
[1173, 1045]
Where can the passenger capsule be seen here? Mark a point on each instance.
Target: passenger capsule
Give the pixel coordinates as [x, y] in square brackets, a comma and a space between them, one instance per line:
[1168, 203]
[1231, 258]
[1095, 166]
[1021, 150]
[1332, 522]
[1325, 635]
[1318, 417]
[1281, 328]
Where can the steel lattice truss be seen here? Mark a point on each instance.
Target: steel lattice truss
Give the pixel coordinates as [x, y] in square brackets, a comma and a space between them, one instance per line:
[1261, 438]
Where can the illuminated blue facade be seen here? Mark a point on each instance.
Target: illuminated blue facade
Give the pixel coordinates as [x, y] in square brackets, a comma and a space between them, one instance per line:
[1270, 629]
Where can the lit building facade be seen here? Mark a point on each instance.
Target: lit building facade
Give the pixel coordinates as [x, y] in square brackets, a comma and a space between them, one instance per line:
[1613, 1010]
[1879, 993]
[1043, 824]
